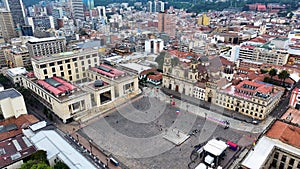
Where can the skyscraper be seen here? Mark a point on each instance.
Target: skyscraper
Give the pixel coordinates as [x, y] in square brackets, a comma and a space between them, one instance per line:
[77, 7]
[16, 8]
[166, 23]
[88, 4]
[7, 28]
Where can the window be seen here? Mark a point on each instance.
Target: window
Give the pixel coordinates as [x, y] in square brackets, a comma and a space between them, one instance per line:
[274, 162]
[69, 72]
[45, 71]
[74, 59]
[83, 68]
[283, 159]
[89, 61]
[70, 78]
[291, 161]
[88, 56]
[67, 61]
[43, 66]
[82, 63]
[53, 69]
[69, 66]
[59, 62]
[62, 74]
[281, 166]
[276, 155]
[51, 64]
[61, 67]
[75, 64]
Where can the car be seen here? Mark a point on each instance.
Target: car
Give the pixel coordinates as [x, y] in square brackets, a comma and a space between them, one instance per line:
[254, 122]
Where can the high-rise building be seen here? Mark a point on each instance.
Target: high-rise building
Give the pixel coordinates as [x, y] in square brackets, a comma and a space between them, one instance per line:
[154, 46]
[7, 29]
[88, 4]
[159, 6]
[77, 7]
[102, 12]
[27, 30]
[203, 20]
[57, 13]
[149, 6]
[41, 22]
[46, 46]
[16, 8]
[166, 24]
[155, 6]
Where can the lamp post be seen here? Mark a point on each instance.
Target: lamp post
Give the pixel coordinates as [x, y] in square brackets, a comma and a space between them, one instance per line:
[77, 138]
[91, 148]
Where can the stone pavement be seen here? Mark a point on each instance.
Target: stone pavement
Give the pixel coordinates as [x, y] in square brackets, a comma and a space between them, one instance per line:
[208, 114]
[74, 131]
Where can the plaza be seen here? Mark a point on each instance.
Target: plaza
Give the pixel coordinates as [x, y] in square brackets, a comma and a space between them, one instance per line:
[134, 133]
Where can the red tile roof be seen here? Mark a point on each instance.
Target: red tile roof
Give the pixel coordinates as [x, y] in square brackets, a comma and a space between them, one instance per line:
[295, 114]
[286, 133]
[13, 146]
[155, 77]
[21, 122]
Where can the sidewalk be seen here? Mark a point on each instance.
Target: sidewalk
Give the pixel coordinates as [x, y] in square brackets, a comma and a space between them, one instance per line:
[75, 132]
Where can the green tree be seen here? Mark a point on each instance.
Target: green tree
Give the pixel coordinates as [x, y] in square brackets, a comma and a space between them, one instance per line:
[272, 73]
[32, 164]
[40, 155]
[283, 75]
[60, 165]
[174, 61]
[41, 165]
[160, 59]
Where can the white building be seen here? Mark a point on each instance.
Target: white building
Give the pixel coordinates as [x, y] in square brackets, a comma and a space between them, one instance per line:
[58, 149]
[14, 75]
[154, 46]
[12, 103]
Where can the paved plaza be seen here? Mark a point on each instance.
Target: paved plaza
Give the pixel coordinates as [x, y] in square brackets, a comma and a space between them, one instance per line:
[134, 133]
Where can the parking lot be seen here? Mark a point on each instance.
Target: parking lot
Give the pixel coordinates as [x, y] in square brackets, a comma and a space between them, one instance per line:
[134, 134]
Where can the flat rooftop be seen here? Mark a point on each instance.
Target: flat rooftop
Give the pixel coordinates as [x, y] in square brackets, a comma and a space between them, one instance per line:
[16, 71]
[54, 144]
[60, 56]
[38, 40]
[9, 93]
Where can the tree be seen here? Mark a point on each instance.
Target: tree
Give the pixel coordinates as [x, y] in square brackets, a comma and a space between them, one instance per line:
[31, 164]
[40, 155]
[272, 73]
[60, 165]
[175, 61]
[283, 75]
[160, 59]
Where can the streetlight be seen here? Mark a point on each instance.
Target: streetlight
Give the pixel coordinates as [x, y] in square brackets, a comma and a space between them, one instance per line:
[90, 141]
[77, 138]
[187, 107]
